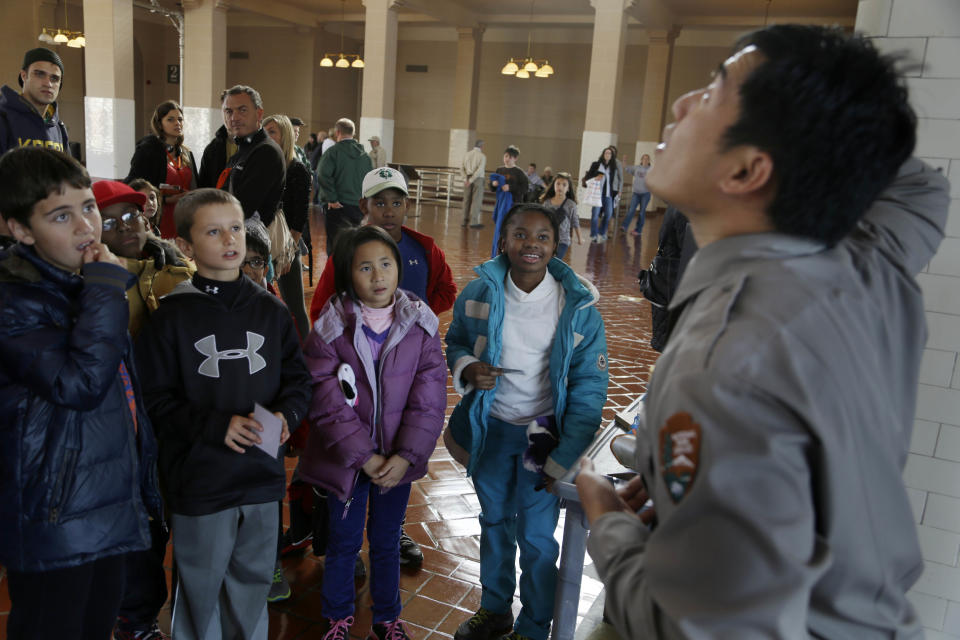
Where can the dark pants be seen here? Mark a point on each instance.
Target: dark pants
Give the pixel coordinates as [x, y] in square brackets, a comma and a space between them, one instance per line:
[146, 588]
[386, 511]
[78, 602]
[335, 220]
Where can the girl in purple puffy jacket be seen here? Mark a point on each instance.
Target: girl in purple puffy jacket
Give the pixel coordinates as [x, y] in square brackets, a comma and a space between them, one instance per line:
[379, 396]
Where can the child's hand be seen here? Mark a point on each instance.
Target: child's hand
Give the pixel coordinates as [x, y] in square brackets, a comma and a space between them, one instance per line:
[505, 187]
[392, 472]
[99, 252]
[481, 375]
[495, 183]
[242, 432]
[372, 466]
[285, 432]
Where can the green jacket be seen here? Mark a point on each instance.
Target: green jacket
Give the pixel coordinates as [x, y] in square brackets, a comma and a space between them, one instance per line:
[341, 172]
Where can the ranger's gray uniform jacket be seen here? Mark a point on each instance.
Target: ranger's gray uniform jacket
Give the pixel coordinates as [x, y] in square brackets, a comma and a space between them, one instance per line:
[777, 426]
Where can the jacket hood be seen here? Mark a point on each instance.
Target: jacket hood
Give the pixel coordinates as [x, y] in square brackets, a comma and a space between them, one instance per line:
[351, 147]
[341, 311]
[579, 290]
[13, 101]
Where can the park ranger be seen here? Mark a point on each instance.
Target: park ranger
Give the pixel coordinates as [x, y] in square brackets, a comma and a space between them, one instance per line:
[778, 419]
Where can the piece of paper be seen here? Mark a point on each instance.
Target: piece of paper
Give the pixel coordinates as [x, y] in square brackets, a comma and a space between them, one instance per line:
[272, 430]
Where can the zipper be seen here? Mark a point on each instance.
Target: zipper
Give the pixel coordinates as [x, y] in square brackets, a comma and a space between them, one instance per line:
[60, 491]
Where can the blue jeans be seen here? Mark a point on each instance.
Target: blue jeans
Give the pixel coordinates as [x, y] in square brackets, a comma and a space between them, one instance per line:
[346, 537]
[640, 200]
[599, 227]
[513, 514]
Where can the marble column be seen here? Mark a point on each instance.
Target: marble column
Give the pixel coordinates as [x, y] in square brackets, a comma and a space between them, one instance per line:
[603, 88]
[109, 113]
[204, 75]
[466, 83]
[654, 109]
[379, 73]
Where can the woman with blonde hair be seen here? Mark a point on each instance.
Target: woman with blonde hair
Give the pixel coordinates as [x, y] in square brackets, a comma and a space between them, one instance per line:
[162, 159]
[296, 207]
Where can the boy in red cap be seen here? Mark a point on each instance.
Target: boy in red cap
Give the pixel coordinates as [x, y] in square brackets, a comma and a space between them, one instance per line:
[158, 265]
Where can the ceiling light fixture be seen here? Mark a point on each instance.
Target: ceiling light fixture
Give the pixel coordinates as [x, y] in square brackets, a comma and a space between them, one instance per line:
[343, 59]
[72, 39]
[523, 67]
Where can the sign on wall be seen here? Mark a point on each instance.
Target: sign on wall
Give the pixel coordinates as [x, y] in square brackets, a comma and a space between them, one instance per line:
[173, 74]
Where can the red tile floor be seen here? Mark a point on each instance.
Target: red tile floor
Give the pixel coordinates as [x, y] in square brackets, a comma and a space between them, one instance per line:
[442, 515]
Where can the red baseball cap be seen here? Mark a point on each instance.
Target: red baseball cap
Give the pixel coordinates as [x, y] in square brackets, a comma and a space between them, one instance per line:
[108, 192]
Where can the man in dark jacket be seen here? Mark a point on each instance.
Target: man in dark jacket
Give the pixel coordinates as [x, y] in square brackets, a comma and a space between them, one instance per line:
[31, 117]
[214, 159]
[341, 173]
[255, 173]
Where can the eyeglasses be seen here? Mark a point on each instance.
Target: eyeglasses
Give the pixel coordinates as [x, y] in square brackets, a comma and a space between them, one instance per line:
[128, 220]
[255, 263]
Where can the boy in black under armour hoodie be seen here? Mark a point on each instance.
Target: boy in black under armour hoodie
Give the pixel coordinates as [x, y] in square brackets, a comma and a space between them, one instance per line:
[218, 345]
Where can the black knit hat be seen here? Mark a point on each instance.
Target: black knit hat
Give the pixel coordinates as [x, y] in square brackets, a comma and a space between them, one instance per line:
[40, 54]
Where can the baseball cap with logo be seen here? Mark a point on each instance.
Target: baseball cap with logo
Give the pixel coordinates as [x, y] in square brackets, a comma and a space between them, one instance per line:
[383, 178]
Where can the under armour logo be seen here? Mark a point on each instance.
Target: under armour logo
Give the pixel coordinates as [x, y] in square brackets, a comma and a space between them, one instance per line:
[413, 261]
[211, 366]
[209, 288]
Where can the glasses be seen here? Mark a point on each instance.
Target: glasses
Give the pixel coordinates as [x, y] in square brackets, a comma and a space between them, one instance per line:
[255, 263]
[129, 220]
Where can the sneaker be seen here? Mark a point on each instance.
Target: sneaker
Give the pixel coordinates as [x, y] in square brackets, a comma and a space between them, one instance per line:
[280, 589]
[476, 226]
[594, 239]
[601, 239]
[293, 541]
[339, 629]
[388, 631]
[513, 635]
[410, 554]
[153, 633]
[485, 625]
[634, 232]
[359, 569]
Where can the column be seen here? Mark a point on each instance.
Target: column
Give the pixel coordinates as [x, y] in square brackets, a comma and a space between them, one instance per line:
[654, 110]
[603, 88]
[379, 72]
[930, 34]
[204, 72]
[466, 83]
[109, 113]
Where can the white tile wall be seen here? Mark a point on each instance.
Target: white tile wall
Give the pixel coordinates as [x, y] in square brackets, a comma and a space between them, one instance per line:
[918, 500]
[938, 138]
[953, 220]
[942, 512]
[944, 331]
[932, 474]
[939, 580]
[954, 175]
[942, 293]
[910, 50]
[941, 57]
[939, 545]
[948, 444]
[928, 18]
[936, 368]
[951, 622]
[924, 437]
[934, 97]
[937, 404]
[939, 635]
[932, 610]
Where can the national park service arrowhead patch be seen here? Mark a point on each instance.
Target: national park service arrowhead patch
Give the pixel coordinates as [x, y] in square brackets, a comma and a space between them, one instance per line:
[679, 454]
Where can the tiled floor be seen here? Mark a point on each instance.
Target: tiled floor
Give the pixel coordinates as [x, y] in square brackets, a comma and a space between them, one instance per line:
[442, 515]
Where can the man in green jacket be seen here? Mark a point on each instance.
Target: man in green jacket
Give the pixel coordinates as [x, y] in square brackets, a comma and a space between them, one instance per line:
[341, 171]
